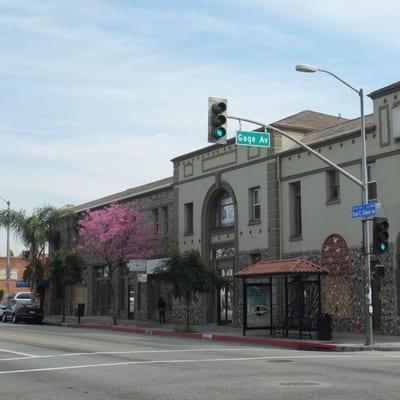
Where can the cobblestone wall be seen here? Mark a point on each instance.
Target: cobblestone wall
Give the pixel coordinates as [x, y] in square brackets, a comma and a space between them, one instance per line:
[390, 321]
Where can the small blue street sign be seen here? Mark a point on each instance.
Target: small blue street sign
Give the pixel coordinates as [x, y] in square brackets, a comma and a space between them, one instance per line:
[363, 210]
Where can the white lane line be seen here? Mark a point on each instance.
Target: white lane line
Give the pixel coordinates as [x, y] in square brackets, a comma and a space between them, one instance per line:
[17, 353]
[131, 363]
[127, 352]
[49, 369]
[146, 352]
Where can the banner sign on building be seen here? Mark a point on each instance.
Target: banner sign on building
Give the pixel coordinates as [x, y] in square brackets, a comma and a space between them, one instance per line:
[22, 284]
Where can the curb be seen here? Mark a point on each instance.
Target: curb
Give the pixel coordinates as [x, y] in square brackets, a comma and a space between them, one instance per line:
[282, 343]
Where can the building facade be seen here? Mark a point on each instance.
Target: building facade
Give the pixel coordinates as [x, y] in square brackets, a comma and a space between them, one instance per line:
[316, 204]
[137, 299]
[238, 205]
[16, 280]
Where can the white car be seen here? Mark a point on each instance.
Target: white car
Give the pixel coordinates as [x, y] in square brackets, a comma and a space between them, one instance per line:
[21, 297]
[3, 307]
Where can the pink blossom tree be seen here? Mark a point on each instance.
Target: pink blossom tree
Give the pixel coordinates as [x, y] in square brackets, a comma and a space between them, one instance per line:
[114, 235]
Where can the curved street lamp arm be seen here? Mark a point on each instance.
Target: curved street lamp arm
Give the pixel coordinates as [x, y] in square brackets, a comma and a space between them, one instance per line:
[341, 80]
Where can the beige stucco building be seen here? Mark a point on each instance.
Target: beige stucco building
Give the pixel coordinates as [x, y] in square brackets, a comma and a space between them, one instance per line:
[239, 204]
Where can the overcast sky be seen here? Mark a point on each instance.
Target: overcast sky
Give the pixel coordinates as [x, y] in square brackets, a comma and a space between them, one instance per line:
[98, 96]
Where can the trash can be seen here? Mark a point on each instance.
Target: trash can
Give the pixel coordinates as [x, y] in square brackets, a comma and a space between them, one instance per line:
[324, 327]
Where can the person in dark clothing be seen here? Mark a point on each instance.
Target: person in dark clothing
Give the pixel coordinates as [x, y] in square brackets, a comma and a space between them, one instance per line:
[161, 310]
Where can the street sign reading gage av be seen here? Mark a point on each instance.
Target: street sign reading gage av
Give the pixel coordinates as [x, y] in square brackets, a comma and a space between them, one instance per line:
[251, 138]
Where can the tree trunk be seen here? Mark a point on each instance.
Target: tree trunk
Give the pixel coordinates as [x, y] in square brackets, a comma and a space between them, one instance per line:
[113, 282]
[187, 314]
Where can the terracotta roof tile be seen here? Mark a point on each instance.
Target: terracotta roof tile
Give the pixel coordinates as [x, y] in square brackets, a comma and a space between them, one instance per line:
[281, 267]
[310, 120]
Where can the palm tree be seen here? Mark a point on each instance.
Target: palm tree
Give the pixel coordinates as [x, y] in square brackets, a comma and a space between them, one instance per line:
[35, 231]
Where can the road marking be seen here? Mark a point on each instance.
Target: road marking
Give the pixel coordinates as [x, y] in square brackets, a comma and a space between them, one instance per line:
[49, 369]
[17, 353]
[128, 352]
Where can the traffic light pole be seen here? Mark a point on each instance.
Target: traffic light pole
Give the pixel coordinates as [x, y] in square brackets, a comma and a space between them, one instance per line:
[368, 311]
[364, 186]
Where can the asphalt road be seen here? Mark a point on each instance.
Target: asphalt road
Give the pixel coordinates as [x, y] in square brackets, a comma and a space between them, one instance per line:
[44, 362]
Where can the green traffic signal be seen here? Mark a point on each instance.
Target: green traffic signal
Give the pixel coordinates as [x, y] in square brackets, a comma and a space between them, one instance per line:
[220, 132]
[380, 235]
[217, 120]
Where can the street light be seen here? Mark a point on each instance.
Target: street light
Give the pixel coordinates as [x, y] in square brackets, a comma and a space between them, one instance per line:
[365, 229]
[8, 251]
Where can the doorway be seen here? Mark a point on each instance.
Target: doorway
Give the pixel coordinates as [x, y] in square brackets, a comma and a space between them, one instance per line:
[225, 296]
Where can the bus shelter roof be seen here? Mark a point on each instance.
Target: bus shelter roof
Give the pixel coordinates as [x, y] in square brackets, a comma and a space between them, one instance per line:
[294, 266]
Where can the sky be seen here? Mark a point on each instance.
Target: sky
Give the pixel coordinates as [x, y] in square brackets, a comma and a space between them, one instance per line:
[98, 96]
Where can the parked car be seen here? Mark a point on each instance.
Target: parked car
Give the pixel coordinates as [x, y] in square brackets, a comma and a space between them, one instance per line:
[21, 297]
[3, 307]
[27, 312]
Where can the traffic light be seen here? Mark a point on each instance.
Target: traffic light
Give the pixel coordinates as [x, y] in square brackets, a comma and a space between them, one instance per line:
[217, 120]
[380, 235]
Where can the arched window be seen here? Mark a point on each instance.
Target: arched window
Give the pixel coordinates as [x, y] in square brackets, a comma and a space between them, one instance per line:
[225, 211]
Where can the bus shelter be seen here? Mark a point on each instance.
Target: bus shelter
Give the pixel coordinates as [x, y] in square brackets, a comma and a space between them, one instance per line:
[282, 296]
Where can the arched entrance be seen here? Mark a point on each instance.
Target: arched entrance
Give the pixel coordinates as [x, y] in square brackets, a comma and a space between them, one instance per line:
[336, 293]
[219, 249]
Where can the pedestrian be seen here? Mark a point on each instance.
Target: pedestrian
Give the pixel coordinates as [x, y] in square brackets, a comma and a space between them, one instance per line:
[161, 310]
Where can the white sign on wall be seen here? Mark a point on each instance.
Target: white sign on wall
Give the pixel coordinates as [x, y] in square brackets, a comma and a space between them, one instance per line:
[142, 278]
[137, 265]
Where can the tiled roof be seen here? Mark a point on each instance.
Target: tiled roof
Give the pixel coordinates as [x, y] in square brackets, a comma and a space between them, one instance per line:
[310, 121]
[293, 266]
[126, 194]
[344, 128]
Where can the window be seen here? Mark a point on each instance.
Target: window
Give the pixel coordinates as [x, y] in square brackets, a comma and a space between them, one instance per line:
[332, 186]
[226, 211]
[372, 189]
[255, 204]
[188, 218]
[295, 210]
[101, 272]
[165, 219]
[396, 120]
[156, 220]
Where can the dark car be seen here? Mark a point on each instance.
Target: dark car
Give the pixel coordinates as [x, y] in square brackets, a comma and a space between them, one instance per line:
[27, 312]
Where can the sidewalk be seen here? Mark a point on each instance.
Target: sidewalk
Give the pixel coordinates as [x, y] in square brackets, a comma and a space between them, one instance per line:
[340, 341]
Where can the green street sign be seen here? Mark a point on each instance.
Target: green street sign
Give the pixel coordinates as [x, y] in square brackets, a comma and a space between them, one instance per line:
[251, 138]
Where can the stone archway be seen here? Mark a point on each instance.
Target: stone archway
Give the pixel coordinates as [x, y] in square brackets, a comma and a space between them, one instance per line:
[219, 249]
[336, 292]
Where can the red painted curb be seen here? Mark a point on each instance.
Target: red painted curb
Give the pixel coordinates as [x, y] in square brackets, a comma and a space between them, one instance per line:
[285, 343]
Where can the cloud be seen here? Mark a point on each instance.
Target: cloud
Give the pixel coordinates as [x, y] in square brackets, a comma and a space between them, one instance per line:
[368, 21]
